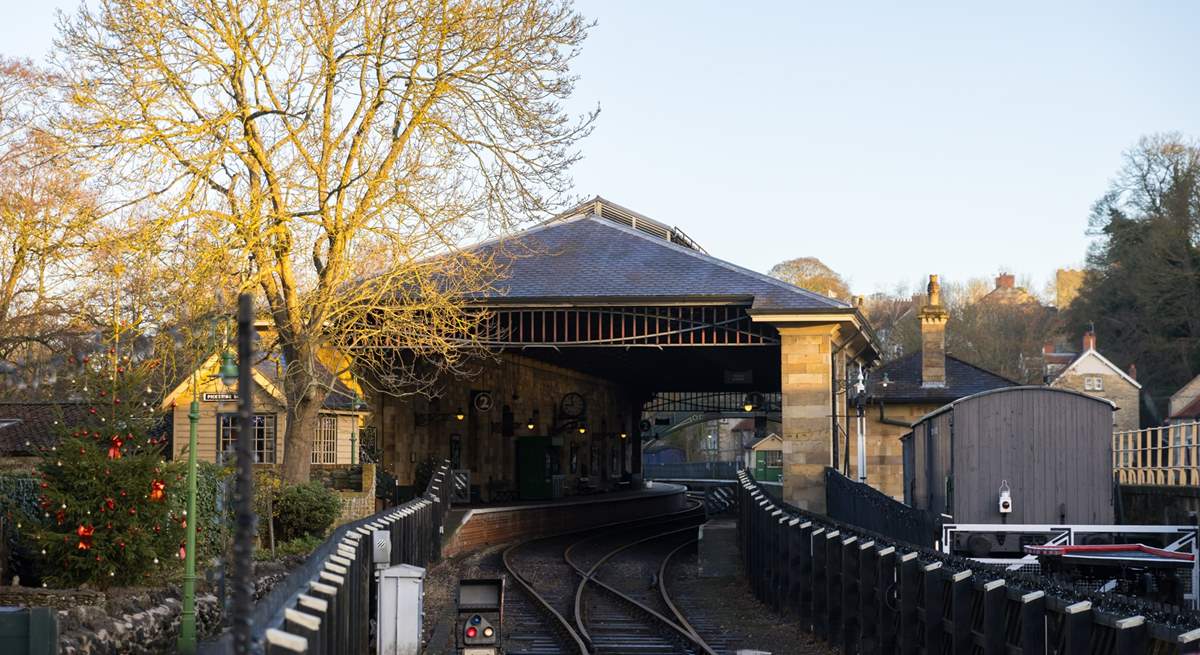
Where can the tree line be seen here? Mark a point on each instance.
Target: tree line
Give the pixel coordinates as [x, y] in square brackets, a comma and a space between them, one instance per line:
[1140, 291]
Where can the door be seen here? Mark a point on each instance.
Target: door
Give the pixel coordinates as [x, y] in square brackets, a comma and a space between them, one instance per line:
[533, 468]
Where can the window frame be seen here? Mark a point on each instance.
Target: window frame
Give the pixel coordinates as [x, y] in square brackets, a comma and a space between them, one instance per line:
[1093, 383]
[227, 434]
[325, 451]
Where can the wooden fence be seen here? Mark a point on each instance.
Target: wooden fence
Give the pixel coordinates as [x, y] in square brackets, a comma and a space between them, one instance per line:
[325, 605]
[1164, 455]
[863, 595]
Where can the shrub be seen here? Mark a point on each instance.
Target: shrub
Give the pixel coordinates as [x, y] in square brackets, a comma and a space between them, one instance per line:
[305, 509]
[302, 546]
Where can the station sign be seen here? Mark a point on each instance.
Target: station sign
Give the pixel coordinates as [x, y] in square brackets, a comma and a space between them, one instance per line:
[228, 396]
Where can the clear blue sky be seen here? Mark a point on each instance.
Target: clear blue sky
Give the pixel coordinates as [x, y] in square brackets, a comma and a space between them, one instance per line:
[891, 140]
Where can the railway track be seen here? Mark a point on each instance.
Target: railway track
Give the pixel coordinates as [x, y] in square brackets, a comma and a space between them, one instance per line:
[603, 590]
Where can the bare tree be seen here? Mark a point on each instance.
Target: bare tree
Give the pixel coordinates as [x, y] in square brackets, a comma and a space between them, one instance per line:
[332, 155]
[46, 212]
[810, 273]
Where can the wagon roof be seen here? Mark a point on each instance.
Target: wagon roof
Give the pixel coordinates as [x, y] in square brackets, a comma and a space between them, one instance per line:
[949, 406]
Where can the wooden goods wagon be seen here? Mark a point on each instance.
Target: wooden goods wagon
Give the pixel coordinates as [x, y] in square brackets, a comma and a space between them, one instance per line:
[1053, 448]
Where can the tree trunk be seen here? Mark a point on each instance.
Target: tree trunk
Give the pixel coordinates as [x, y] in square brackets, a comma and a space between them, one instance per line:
[302, 409]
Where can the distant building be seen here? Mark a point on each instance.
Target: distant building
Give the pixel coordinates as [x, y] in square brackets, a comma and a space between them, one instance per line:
[905, 389]
[1184, 406]
[1006, 292]
[1093, 374]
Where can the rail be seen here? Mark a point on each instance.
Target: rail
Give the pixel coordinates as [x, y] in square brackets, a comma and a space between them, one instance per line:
[324, 606]
[865, 593]
[1164, 455]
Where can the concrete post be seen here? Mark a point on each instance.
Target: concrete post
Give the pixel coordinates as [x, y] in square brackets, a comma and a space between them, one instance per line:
[806, 385]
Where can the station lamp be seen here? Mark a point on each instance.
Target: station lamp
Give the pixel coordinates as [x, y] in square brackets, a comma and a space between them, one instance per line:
[532, 423]
[582, 428]
[229, 369]
[624, 435]
[459, 415]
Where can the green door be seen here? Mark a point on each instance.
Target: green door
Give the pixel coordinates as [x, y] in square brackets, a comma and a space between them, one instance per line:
[760, 465]
[768, 465]
[533, 468]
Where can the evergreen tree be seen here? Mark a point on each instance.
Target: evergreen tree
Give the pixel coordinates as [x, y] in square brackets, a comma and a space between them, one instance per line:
[105, 491]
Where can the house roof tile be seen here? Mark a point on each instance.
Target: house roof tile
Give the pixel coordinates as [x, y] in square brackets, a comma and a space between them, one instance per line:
[904, 375]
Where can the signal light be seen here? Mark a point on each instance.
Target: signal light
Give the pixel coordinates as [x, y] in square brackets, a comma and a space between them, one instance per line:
[476, 619]
[471, 632]
[487, 632]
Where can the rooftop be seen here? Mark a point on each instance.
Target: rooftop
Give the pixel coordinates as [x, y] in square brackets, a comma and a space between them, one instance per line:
[904, 381]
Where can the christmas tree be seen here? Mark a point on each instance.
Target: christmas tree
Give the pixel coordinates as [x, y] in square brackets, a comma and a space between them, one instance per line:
[110, 516]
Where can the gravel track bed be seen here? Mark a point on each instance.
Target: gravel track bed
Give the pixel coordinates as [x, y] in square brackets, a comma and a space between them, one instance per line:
[728, 617]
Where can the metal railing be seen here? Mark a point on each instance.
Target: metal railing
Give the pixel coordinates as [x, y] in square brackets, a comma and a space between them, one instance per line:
[1164, 455]
[864, 593]
[324, 606]
[691, 471]
[858, 504]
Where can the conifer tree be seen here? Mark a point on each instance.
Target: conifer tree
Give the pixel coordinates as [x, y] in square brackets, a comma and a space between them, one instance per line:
[105, 490]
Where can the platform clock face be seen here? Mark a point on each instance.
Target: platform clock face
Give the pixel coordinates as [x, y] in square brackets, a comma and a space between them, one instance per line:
[572, 405]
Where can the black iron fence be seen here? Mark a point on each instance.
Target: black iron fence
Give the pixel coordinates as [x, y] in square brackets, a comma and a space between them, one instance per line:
[865, 593]
[859, 504]
[325, 605]
[691, 471]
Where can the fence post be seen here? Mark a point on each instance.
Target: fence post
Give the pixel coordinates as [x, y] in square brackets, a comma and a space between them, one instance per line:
[910, 574]
[802, 551]
[783, 555]
[1131, 636]
[960, 611]
[280, 643]
[885, 581]
[850, 596]
[820, 590]
[935, 609]
[791, 593]
[995, 597]
[1077, 628]
[773, 552]
[868, 609]
[305, 625]
[1033, 622]
[833, 583]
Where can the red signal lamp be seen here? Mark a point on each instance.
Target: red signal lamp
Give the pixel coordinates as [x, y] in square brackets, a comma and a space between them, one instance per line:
[471, 632]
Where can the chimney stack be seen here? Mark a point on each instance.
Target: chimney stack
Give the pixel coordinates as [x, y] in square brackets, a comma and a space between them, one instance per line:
[933, 337]
[1005, 281]
[1133, 370]
[1089, 341]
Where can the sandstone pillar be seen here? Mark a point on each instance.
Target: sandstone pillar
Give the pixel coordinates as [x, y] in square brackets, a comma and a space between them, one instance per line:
[806, 380]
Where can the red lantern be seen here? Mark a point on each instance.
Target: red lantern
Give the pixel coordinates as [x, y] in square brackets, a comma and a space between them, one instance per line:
[110, 503]
[114, 451]
[158, 490]
[60, 516]
[85, 536]
[182, 550]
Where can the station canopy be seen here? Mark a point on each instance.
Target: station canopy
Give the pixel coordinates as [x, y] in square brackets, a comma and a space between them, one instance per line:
[604, 290]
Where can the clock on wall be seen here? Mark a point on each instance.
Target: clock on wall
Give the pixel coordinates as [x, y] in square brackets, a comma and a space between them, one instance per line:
[572, 405]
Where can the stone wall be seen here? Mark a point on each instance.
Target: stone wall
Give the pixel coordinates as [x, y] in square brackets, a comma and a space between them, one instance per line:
[807, 374]
[885, 453]
[410, 430]
[359, 504]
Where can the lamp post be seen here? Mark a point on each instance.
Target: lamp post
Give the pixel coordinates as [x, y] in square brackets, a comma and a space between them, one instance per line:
[860, 400]
[187, 616]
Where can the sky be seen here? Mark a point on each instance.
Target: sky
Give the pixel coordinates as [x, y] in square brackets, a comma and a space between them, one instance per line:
[890, 140]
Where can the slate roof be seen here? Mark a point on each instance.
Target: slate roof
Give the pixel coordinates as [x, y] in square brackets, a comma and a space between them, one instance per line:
[34, 423]
[1190, 410]
[962, 379]
[589, 257]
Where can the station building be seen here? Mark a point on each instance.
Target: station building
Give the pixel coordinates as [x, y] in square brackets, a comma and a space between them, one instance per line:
[603, 312]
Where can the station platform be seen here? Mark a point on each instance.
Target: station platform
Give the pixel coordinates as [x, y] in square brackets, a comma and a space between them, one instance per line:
[474, 526]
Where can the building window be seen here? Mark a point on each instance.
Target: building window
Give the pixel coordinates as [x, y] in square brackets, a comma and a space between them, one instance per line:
[263, 437]
[1093, 383]
[325, 445]
[773, 458]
